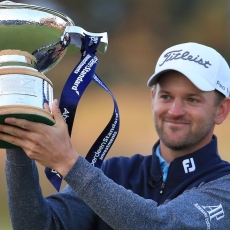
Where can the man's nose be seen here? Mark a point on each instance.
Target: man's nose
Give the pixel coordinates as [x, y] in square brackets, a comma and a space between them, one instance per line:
[177, 108]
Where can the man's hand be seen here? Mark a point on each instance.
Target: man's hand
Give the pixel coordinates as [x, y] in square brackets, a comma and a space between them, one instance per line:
[48, 145]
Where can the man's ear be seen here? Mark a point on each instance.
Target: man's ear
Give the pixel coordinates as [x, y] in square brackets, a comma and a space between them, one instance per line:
[153, 91]
[222, 111]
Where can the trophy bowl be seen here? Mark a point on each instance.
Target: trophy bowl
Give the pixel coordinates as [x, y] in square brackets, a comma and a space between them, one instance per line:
[33, 40]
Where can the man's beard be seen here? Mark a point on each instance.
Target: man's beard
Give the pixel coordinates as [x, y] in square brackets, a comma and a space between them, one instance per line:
[190, 139]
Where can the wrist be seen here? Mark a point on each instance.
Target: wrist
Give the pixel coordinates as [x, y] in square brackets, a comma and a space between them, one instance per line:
[65, 167]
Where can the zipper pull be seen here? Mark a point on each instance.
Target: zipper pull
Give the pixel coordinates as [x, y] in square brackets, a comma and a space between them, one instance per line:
[162, 188]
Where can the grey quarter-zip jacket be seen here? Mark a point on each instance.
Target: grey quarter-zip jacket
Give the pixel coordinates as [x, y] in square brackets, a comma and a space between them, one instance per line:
[91, 195]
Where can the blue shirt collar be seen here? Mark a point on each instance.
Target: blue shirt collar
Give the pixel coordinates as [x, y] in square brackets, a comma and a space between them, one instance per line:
[163, 163]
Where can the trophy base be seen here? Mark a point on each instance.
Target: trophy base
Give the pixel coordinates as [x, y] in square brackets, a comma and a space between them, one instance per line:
[29, 113]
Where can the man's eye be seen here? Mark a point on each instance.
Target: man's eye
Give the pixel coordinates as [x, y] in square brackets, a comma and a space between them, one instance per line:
[192, 100]
[165, 97]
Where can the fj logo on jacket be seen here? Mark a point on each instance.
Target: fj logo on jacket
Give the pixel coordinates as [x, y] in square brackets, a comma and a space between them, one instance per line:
[189, 165]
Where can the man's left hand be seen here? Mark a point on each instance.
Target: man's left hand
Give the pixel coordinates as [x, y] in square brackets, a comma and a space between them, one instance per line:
[49, 145]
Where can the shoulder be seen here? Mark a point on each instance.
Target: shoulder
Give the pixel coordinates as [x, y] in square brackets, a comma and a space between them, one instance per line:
[206, 205]
[221, 183]
[124, 162]
[213, 193]
[121, 168]
[216, 189]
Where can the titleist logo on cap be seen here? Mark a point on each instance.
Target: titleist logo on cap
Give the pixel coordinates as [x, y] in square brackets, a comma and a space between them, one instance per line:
[176, 55]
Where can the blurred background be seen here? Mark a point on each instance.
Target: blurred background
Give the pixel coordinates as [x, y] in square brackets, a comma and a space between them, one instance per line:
[138, 31]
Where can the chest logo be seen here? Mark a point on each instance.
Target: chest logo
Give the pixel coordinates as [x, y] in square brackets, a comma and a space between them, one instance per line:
[189, 165]
[211, 213]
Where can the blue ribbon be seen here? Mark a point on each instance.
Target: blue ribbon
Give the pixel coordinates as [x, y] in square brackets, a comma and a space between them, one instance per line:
[72, 92]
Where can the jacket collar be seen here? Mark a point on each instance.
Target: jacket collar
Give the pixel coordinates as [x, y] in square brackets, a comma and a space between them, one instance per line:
[187, 165]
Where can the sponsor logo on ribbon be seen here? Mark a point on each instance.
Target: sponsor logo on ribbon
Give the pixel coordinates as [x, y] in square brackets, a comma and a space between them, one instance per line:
[76, 84]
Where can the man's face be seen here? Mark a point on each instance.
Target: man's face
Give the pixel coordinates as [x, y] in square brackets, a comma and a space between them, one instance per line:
[183, 114]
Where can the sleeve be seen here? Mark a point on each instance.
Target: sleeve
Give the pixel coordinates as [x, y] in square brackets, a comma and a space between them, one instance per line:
[205, 207]
[30, 210]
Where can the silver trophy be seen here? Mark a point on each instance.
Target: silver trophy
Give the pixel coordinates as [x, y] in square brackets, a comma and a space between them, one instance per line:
[33, 40]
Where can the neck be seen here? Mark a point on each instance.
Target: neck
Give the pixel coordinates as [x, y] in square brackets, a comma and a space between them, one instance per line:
[170, 154]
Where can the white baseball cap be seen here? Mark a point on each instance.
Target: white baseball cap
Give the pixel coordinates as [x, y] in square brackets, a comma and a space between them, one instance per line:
[202, 65]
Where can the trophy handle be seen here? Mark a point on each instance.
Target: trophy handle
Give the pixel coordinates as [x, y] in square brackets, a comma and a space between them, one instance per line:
[76, 34]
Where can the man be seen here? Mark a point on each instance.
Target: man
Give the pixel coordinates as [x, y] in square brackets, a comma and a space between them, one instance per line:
[184, 184]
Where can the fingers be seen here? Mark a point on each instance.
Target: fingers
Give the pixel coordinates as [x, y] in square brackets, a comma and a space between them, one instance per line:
[56, 112]
[13, 135]
[21, 132]
[21, 123]
[49, 145]
[46, 107]
[32, 126]
[24, 137]
[55, 106]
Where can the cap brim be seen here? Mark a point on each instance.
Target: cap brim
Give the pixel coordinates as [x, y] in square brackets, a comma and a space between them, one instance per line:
[199, 81]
